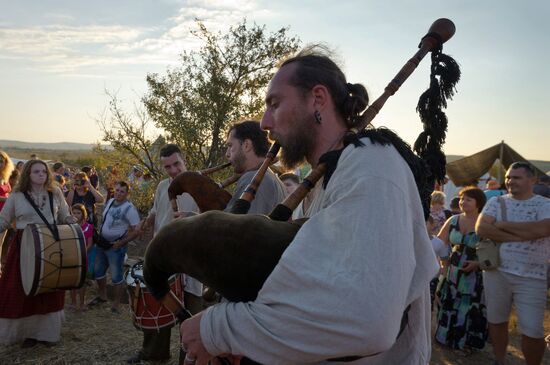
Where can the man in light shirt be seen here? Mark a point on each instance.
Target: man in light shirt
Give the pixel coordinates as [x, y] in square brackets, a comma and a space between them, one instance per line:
[156, 344]
[522, 274]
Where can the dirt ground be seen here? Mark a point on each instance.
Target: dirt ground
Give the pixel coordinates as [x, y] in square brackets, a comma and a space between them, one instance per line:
[445, 356]
[98, 336]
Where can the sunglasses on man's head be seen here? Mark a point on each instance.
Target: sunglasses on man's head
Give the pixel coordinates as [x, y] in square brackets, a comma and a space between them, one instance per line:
[525, 165]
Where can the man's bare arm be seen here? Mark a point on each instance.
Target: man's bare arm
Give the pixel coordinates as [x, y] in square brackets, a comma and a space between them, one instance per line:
[526, 230]
[133, 232]
[485, 227]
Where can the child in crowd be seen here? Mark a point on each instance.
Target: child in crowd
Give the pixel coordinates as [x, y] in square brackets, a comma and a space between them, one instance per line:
[79, 212]
[454, 206]
[437, 209]
[291, 182]
[442, 251]
[62, 184]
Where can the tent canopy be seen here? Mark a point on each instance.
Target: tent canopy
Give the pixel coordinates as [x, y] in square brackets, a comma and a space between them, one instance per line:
[468, 169]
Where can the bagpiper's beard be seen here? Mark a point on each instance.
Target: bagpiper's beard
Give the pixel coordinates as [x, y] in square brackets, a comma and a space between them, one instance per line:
[298, 144]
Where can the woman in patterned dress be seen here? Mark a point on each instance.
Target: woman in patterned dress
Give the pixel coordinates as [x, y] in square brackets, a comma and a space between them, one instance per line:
[461, 319]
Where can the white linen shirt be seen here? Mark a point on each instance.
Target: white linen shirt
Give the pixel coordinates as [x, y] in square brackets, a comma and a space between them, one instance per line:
[162, 209]
[164, 214]
[342, 285]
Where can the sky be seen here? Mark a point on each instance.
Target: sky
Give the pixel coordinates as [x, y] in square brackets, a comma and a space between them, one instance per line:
[59, 57]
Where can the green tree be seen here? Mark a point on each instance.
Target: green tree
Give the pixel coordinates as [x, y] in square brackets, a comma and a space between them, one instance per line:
[222, 82]
[128, 135]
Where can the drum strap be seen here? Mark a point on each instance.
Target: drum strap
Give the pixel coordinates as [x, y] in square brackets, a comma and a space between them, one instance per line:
[51, 227]
[105, 216]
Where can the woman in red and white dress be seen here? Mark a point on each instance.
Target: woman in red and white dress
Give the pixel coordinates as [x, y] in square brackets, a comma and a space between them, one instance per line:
[36, 318]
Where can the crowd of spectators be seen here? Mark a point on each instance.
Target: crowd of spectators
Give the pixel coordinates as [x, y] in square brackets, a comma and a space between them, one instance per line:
[470, 305]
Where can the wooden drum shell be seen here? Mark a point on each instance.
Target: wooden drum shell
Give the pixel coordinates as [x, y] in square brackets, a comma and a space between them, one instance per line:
[48, 265]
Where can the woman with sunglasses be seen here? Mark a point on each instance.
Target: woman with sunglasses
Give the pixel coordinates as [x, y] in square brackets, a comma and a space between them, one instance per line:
[84, 193]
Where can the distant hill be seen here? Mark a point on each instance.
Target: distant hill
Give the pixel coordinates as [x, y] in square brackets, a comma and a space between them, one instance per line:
[71, 146]
[59, 146]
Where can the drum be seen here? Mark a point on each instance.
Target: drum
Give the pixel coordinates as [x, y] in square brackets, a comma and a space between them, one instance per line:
[147, 312]
[48, 265]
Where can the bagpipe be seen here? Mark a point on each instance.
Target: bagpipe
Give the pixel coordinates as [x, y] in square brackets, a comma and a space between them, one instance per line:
[234, 253]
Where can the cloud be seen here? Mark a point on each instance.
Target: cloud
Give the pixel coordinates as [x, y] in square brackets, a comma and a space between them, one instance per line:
[47, 40]
[74, 49]
[59, 17]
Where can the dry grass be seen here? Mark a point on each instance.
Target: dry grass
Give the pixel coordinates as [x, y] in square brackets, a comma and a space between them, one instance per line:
[98, 336]
[445, 356]
[95, 336]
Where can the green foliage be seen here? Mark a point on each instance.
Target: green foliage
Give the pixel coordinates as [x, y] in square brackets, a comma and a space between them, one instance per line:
[117, 158]
[130, 138]
[194, 104]
[142, 196]
[117, 165]
[224, 81]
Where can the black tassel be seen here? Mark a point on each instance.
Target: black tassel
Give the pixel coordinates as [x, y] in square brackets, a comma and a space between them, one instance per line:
[445, 74]
[352, 138]
[449, 72]
[429, 166]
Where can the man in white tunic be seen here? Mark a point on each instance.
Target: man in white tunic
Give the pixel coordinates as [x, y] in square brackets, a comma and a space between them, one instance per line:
[156, 343]
[341, 289]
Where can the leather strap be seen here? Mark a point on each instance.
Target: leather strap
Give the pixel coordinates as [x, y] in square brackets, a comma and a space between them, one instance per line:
[51, 227]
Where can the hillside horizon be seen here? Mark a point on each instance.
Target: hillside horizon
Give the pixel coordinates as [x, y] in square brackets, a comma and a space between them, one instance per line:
[4, 143]
[75, 146]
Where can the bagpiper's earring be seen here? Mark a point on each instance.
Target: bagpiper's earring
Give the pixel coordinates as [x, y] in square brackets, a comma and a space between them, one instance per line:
[318, 118]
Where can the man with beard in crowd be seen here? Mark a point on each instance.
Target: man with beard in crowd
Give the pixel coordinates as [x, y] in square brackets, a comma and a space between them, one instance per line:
[247, 146]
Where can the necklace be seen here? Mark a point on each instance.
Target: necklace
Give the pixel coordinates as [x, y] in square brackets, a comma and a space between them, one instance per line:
[39, 199]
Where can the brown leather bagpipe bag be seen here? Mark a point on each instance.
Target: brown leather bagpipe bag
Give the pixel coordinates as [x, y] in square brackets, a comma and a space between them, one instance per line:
[231, 253]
